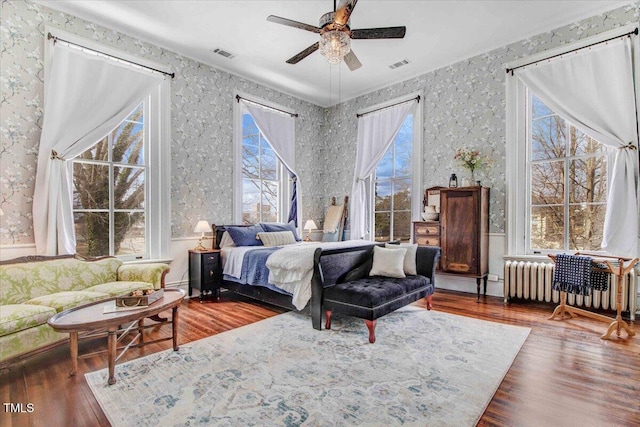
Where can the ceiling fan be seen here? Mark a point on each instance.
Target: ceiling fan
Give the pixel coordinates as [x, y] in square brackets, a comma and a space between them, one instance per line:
[335, 35]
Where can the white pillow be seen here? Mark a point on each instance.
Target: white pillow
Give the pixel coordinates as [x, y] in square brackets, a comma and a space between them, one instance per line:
[388, 262]
[276, 238]
[409, 265]
[226, 240]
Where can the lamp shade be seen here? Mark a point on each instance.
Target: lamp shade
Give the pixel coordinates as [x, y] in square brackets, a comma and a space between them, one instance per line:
[202, 227]
[310, 225]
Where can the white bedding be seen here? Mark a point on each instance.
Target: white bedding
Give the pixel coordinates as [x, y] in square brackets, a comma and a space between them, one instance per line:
[290, 268]
[232, 257]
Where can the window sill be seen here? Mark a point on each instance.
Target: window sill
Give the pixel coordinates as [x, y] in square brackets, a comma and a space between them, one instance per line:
[149, 261]
[530, 258]
[544, 257]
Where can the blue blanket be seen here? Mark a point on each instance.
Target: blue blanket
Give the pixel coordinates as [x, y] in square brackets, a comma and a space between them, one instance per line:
[255, 271]
[572, 274]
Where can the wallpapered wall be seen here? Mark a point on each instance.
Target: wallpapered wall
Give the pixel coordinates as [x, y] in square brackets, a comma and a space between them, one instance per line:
[463, 106]
[202, 124]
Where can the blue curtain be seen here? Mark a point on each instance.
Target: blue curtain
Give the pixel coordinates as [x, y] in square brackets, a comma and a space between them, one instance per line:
[293, 212]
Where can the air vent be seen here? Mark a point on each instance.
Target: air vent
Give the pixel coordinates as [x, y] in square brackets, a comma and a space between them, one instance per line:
[224, 53]
[399, 64]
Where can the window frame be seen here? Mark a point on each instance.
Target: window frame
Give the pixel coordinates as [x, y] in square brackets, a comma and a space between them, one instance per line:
[280, 180]
[517, 179]
[416, 165]
[111, 164]
[157, 128]
[373, 180]
[285, 182]
[566, 161]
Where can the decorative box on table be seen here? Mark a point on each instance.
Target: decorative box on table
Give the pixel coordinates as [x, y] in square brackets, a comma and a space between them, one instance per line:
[139, 298]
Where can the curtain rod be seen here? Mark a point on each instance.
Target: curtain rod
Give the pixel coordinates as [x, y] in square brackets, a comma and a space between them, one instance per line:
[417, 98]
[635, 32]
[238, 98]
[55, 39]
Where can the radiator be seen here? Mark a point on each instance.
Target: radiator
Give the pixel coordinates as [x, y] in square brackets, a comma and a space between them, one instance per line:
[532, 281]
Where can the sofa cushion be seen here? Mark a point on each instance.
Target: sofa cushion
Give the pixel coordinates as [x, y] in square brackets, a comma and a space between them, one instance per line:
[149, 272]
[24, 281]
[60, 301]
[18, 317]
[119, 288]
[360, 272]
[27, 340]
[374, 291]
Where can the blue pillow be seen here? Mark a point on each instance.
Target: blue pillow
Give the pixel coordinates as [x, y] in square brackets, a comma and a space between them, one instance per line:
[245, 236]
[279, 226]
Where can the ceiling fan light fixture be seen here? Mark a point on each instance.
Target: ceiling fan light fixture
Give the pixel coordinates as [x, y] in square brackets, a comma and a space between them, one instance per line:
[334, 45]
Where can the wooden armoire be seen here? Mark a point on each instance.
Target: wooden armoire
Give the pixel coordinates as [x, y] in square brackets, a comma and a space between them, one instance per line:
[464, 232]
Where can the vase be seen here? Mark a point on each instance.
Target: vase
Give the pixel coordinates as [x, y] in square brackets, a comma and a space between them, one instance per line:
[430, 213]
[473, 178]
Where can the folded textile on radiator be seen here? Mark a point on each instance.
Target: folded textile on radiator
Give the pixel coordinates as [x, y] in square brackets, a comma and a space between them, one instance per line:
[599, 279]
[572, 274]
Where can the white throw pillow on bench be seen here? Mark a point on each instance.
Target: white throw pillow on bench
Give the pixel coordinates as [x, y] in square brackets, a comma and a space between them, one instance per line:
[388, 262]
[409, 265]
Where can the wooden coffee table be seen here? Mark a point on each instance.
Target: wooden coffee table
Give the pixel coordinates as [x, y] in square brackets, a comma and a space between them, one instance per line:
[91, 319]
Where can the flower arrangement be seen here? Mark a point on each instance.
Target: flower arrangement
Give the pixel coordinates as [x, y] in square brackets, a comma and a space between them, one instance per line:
[469, 159]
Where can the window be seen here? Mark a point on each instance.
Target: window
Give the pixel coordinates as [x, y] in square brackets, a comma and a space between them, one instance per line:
[392, 183]
[121, 197]
[109, 196]
[264, 179]
[260, 176]
[568, 174]
[558, 178]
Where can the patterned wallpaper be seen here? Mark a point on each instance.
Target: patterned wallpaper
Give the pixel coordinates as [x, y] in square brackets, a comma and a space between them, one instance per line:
[202, 124]
[464, 106]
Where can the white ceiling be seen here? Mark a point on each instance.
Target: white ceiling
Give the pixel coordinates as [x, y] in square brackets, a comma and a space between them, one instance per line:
[439, 33]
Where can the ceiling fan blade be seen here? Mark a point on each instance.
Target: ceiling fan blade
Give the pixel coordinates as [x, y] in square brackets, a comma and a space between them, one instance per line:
[379, 33]
[344, 10]
[294, 24]
[300, 56]
[352, 61]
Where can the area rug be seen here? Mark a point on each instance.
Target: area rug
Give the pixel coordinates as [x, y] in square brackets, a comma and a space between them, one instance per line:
[425, 368]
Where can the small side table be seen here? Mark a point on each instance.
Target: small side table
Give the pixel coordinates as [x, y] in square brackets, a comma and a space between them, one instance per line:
[92, 318]
[205, 273]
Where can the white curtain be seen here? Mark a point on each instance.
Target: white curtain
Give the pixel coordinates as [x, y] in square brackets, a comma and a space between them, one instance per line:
[376, 132]
[280, 131]
[593, 89]
[86, 97]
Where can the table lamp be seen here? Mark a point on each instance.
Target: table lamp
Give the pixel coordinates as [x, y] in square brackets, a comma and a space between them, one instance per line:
[309, 225]
[201, 227]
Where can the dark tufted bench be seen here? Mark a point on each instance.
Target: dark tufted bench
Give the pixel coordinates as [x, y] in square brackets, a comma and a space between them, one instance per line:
[370, 297]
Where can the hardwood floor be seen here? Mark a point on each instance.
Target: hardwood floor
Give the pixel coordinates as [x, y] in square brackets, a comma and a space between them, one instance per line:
[565, 375]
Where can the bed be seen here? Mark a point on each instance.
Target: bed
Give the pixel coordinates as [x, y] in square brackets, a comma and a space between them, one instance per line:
[318, 264]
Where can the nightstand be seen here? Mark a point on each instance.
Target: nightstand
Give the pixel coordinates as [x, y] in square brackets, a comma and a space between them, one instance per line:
[205, 272]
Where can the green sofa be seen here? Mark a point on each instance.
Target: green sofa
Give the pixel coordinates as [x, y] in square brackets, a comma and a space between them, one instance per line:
[32, 289]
